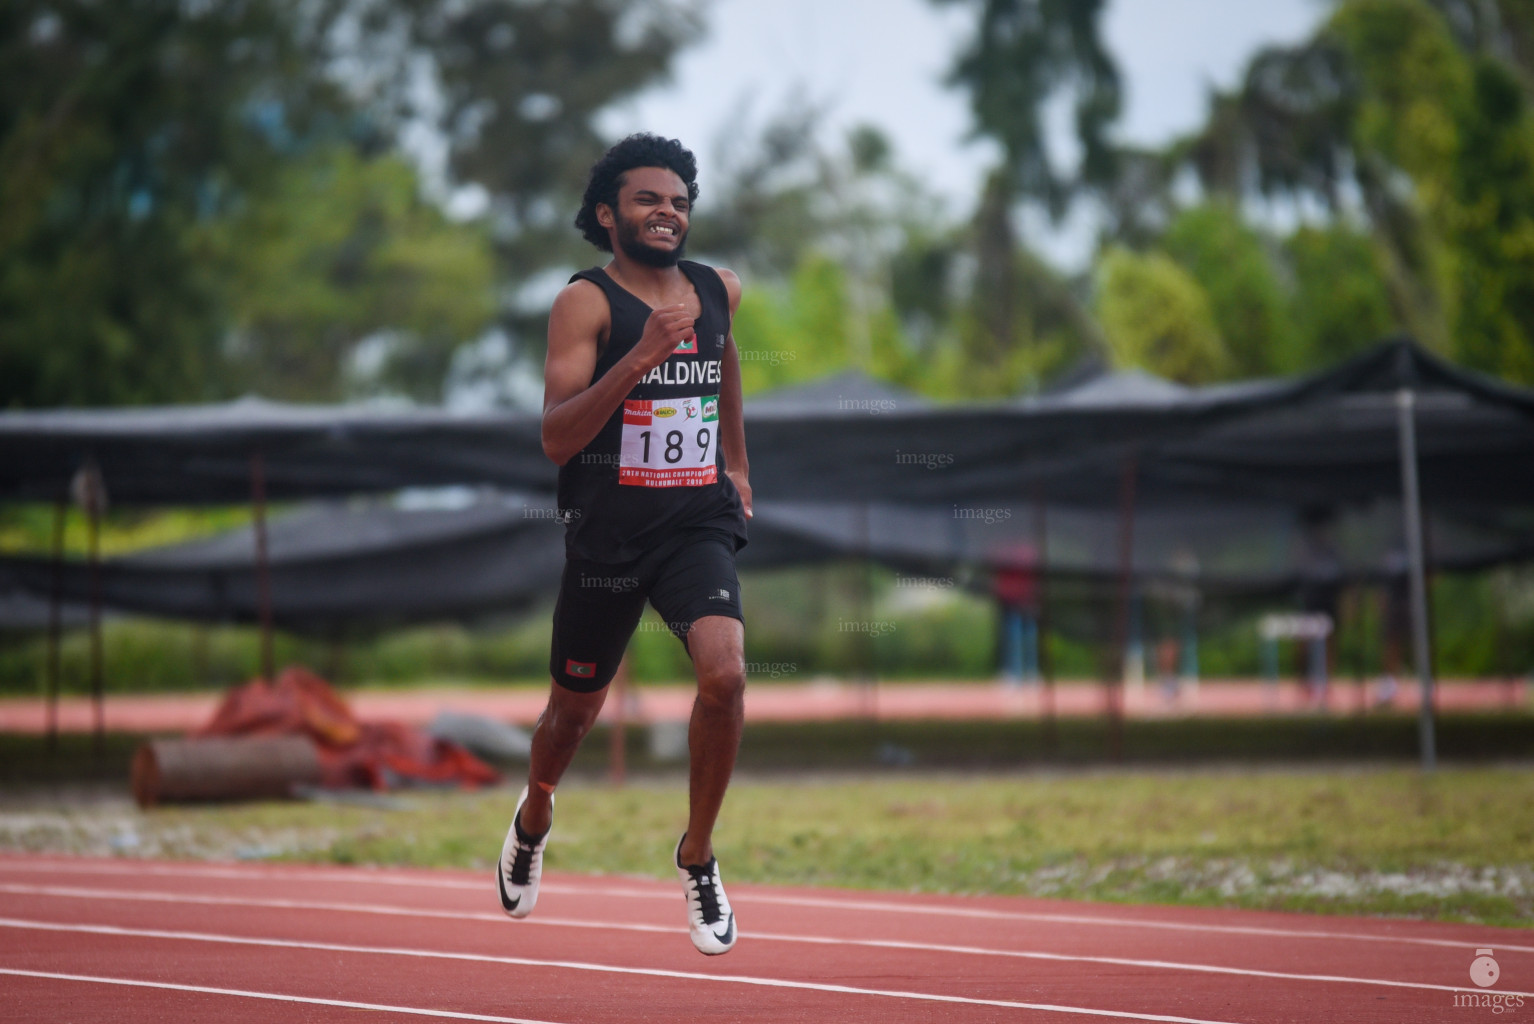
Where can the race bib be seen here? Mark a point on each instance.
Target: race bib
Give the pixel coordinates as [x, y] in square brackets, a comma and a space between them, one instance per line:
[669, 442]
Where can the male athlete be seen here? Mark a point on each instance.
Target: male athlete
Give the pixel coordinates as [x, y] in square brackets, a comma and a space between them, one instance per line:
[642, 414]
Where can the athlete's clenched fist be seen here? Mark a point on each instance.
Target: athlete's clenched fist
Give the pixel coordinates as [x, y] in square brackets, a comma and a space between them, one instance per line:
[666, 328]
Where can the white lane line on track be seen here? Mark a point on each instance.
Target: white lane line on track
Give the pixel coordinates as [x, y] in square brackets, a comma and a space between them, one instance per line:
[576, 965]
[275, 996]
[557, 922]
[369, 877]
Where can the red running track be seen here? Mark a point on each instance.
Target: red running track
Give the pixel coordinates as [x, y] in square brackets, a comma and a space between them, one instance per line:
[118, 940]
[820, 700]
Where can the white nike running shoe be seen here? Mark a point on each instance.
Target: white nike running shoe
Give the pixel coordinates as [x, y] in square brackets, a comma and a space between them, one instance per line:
[709, 917]
[521, 866]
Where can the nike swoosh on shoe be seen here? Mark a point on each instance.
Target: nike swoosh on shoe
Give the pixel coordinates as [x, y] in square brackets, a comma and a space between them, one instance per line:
[507, 902]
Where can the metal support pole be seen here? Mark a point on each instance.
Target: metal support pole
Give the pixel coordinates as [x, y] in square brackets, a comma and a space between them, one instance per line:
[868, 682]
[1411, 502]
[98, 699]
[1041, 577]
[263, 562]
[1127, 484]
[56, 621]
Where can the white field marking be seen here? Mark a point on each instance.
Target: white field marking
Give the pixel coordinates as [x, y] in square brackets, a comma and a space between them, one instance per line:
[277, 996]
[577, 965]
[367, 876]
[607, 926]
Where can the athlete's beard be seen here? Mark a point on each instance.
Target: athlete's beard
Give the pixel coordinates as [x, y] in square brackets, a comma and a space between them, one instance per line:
[633, 246]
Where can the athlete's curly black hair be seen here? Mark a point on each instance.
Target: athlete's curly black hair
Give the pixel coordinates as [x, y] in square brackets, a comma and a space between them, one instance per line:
[640, 150]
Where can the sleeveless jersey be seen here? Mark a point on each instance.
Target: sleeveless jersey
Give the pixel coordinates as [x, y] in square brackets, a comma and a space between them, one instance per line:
[656, 466]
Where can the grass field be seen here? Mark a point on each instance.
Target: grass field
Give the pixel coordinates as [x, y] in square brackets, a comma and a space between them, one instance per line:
[1369, 838]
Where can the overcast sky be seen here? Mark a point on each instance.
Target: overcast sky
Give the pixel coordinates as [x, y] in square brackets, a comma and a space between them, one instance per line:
[882, 62]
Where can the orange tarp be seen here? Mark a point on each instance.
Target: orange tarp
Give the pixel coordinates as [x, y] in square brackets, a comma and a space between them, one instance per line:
[374, 755]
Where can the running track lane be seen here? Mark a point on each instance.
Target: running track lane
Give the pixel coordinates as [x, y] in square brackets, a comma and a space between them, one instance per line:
[98, 940]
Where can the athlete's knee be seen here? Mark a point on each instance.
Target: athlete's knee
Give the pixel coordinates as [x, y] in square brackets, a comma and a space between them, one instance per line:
[569, 717]
[722, 681]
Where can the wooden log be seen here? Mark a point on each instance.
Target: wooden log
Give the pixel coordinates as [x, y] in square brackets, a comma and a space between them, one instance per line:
[223, 768]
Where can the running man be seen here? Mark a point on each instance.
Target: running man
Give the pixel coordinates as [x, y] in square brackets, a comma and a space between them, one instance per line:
[642, 414]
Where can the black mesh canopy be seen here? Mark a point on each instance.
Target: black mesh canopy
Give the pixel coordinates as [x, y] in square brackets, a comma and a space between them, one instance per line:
[1232, 489]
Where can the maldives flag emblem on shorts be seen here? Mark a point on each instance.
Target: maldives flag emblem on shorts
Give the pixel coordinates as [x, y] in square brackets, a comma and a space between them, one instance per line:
[688, 347]
[584, 669]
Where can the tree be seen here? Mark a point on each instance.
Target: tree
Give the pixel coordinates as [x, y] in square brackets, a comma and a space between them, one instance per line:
[1492, 228]
[1341, 304]
[1412, 115]
[1232, 264]
[516, 91]
[1022, 53]
[1157, 318]
[140, 139]
[122, 127]
[339, 256]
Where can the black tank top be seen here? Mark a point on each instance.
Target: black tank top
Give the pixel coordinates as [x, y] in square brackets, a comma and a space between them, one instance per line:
[656, 466]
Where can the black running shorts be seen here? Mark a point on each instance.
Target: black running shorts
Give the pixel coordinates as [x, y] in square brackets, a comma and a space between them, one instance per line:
[688, 578]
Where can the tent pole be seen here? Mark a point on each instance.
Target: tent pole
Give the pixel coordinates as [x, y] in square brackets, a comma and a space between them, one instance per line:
[869, 683]
[56, 621]
[1041, 578]
[263, 561]
[93, 521]
[1127, 485]
[1411, 502]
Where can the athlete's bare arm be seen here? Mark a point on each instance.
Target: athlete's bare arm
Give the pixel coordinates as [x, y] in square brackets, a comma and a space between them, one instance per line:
[575, 407]
[732, 426]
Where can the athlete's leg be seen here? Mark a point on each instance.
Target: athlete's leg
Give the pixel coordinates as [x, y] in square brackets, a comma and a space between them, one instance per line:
[717, 646]
[565, 721]
[596, 612]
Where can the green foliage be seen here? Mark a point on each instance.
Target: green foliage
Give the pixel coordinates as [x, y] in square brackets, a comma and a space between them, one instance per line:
[121, 128]
[1341, 304]
[28, 528]
[1408, 119]
[1156, 317]
[795, 332]
[1492, 228]
[1231, 262]
[1022, 53]
[338, 249]
[196, 204]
